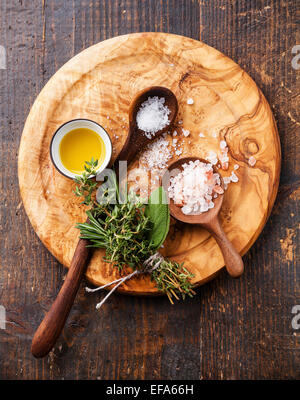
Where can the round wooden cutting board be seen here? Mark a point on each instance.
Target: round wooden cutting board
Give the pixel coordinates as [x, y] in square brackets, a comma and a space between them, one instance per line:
[99, 84]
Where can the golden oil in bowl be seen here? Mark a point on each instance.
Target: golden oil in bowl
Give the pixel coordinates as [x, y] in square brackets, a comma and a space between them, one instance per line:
[78, 141]
[81, 145]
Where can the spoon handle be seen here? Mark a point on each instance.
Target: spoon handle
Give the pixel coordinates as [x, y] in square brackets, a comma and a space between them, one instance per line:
[54, 321]
[133, 144]
[233, 261]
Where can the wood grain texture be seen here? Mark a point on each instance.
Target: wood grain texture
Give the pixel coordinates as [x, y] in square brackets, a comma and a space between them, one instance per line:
[232, 329]
[226, 102]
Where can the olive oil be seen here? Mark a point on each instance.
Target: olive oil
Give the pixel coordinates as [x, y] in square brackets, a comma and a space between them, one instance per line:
[78, 146]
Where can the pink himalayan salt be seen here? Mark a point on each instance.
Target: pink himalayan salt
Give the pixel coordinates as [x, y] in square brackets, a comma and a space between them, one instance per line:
[252, 161]
[194, 187]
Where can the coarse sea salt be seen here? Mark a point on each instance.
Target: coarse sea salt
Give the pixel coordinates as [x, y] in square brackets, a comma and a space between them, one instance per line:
[194, 187]
[185, 132]
[223, 144]
[212, 158]
[152, 116]
[156, 155]
[252, 161]
[190, 101]
[233, 177]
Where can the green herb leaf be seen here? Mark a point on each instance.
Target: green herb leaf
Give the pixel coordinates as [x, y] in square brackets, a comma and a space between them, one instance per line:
[157, 210]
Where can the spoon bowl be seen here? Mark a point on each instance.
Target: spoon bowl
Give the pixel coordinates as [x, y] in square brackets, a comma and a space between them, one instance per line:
[208, 220]
[136, 138]
[175, 210]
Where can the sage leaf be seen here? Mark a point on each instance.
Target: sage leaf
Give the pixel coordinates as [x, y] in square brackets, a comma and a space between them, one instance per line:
[157, 210]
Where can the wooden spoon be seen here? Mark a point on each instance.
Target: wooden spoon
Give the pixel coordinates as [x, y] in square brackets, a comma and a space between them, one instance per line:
[209, 220]
[54, 321]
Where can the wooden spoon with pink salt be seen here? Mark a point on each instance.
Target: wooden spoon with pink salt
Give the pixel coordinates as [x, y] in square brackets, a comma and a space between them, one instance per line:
[196, 193]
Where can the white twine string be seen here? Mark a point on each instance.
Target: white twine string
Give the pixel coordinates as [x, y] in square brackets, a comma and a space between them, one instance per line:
[151, 264]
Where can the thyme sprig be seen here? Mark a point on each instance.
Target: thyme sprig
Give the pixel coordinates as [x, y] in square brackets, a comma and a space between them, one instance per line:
[173, 279]
[85, 185]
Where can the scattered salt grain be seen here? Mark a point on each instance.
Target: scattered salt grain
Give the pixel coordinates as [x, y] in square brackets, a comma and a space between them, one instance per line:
[194, 188]
[233, 177]
[174, 133]
[201, 134]
[190, 101]
[156, 155]
[185, 132]
[152, 116]
[180, 122]
[212, 158]
[178, 152]
[252, 161]
[223, 144]
[236, 166]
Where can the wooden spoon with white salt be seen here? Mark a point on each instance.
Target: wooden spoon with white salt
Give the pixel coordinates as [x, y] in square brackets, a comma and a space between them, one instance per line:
[54, 321]
[208, 220]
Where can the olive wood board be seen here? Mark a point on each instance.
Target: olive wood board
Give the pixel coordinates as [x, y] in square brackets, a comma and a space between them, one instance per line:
[99, 84]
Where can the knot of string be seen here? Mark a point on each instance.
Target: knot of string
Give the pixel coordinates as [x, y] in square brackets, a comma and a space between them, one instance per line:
[149, 265]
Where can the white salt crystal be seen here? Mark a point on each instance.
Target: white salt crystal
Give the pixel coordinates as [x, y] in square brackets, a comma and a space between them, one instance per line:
[152, 116]
[223, 144]
[178, 152]
[201, 134]
[252, 161]
[186, 210]
[212, 158]
[190, 101]
[185, 132]
[174, 133]
[236, 166]
[233, 177]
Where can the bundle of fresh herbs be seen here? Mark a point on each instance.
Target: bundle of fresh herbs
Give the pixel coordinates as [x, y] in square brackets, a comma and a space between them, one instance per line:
[131, 231]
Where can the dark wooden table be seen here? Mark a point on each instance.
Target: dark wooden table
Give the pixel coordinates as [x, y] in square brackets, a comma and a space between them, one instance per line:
[232, 329]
